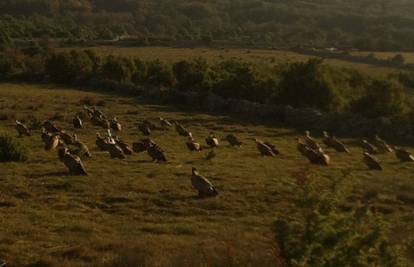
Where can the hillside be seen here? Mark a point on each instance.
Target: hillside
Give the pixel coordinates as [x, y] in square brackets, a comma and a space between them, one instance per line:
[363, 24]
[52, 219]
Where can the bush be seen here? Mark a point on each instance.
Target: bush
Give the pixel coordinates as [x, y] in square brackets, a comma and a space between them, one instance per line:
[309, 85]
[119, 69]
[192, 75]
[11, 150]
[320, 234]
[383, 98]
[159, 73]
[240, 80]
[74, 67]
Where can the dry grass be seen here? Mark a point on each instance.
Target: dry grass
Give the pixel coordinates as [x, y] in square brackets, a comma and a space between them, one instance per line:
[131, 212]
[170, 54]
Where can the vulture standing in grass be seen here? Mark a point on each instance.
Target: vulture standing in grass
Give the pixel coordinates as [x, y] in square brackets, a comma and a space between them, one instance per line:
[115, 125]
[154, 151]
[368, 147]
[372, 162]
[53, 142]
[66, 138]
[332, 142]
[45, 135]
[144, 128]
[72, 162]
[233, 140]
[181, 130]
[382, 146]
[204, 187]
[88, 110]
[77, 123]
[150, 125]
[83, 149]
[50, 127]
[139, 147]
[192, 145]
[101, 143]
[97, 113]
[212, 141]
[310, 142]
[264, 149]
[115, 151]
[105, 124]
[314, 156]
[403, 155]
[22, 129]
[302, 147]
[273, 148]
[124, 146]
[165, 123]
[96, 121]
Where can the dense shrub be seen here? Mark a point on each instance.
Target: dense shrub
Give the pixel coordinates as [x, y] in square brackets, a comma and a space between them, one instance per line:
[119, 69]
[240, 80]
[159, 73]
[309, 84]
[382, 98]
[192, 75]
[10, 64]
[11, 150]
[319, 233]
[74, 67]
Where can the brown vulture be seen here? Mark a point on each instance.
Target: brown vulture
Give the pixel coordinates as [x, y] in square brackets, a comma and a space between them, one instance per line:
[212, 141]
[72, 162]
[204, 187]
[233, 140]
[192, 145]
[264, 149]
[372, 162]
[403, 155]
[22, 129]
[77, 122]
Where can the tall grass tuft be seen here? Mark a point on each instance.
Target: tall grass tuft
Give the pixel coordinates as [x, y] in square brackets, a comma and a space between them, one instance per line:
[11, 150]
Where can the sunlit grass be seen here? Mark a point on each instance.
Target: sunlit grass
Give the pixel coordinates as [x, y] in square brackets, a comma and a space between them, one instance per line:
[143, 206]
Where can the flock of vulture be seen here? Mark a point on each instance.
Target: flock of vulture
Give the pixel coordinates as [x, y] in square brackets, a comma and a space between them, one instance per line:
[71, 150]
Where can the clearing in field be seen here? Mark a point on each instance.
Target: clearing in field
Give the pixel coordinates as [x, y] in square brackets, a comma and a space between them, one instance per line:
[135, 204]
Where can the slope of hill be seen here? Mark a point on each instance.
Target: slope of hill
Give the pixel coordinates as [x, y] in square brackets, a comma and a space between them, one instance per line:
[380, 24]
[51, 219]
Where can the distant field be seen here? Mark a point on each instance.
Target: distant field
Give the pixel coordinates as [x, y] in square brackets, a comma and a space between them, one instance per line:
[253, 55]
[150, 208]
[409, 56]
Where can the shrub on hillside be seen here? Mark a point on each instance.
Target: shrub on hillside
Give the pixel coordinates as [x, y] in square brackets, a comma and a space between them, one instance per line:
[119, 69]
[309, 84]
[192, 75]
[11, 150]
[240, 80]
[10, 63]
[74, 67]
[383, 98]
[320, 233]
[159, 73]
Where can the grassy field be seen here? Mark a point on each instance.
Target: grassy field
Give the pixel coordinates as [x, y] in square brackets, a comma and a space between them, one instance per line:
[409, 56]
[252, 55]
[149, 211]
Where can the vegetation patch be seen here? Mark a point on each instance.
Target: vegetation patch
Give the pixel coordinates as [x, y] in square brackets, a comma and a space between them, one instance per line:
[12, 150]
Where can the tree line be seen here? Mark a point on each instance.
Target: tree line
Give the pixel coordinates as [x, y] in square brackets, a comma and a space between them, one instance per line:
[311, 84]
[362, 24]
